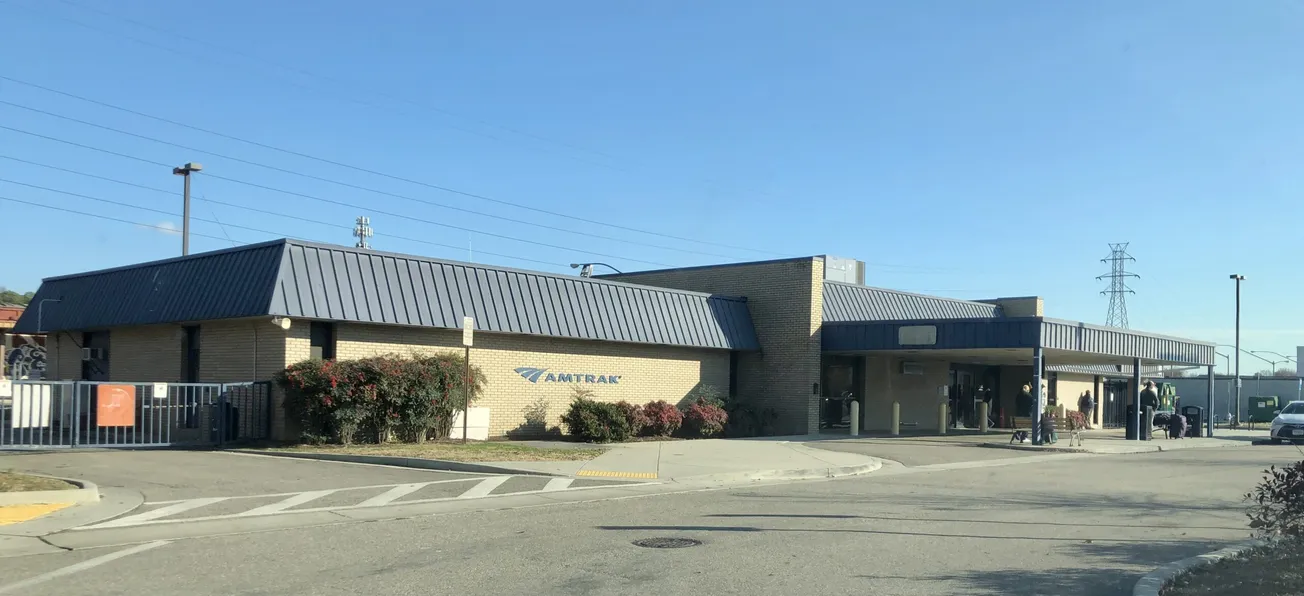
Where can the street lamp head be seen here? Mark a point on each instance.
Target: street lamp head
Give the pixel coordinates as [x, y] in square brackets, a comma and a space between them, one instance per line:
[188, 168]
[1237, 277]
[575, 265]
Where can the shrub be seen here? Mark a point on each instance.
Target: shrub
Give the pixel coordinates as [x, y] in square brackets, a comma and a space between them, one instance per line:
[376, 398]
[746, 419]
[1277, 503]
[595, 421]
[663, 419]
[705, 419]
[707, 393]
[634, 416]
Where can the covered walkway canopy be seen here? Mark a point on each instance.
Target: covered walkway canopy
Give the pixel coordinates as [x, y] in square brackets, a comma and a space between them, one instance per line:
[860, 320]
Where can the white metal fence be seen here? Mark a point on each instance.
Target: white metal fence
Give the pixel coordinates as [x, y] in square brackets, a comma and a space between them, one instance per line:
[60, 414]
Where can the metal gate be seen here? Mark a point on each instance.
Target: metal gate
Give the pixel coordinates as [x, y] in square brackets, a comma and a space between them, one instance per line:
[46, 415]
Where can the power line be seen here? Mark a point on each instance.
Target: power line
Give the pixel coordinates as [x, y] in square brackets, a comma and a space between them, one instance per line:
[96, 215]
[263, 61]
[235, 206]
[342, 165]
[341, 203]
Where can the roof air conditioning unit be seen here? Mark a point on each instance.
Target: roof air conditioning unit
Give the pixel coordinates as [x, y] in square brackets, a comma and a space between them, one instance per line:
[912, 368]
[92, 353]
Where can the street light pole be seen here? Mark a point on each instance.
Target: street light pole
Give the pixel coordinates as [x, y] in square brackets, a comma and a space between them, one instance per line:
[184, 172]
[586, 269]
[1237, 412]
[40, 312]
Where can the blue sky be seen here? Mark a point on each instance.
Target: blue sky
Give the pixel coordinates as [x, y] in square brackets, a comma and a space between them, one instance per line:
[964, 149]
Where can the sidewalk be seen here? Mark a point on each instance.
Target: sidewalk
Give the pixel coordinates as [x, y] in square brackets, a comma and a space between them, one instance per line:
[1113, 441]
[710, 461]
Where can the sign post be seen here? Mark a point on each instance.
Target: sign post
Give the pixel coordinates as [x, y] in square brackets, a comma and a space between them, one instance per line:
[468, 330]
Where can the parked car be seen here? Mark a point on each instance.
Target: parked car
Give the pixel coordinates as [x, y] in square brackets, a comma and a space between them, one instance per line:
[1289, 423]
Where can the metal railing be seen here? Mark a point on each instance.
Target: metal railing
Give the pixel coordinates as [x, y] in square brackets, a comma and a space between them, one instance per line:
[62, 414]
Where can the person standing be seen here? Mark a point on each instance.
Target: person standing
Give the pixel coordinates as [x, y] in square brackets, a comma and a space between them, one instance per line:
[1087, 405]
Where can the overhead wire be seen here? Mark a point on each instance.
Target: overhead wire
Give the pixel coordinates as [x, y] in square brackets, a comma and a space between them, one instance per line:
[264, 61]
[332, 201]
[96, 215]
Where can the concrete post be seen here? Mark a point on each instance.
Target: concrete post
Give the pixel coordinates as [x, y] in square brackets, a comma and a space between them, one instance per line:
[941, 419]
[982, 417]
[1136, 397]
[895, 429]
[1038, 398]
[1208, 412]
[855, 418]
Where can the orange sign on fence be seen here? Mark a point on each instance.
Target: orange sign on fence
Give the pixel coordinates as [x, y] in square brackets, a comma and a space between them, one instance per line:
[115, 405]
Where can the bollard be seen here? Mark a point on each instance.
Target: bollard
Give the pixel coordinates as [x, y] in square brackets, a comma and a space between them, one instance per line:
[982, 417]
[855, 418]
[895, 429]
[941, 419]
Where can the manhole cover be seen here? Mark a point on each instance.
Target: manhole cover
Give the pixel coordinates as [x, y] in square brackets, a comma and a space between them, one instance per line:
[667, 542]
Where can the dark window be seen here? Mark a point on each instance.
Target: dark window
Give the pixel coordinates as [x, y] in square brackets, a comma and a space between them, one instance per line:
[190, 354]
[733, 374]
[322, 341]
[95, 356]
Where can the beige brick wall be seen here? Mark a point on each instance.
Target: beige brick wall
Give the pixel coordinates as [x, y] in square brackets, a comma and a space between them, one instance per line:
[647, 372]
[62, 357]
[145, 354]
[235, 351]
[917, 394]
[786, 303]
[1069, 387]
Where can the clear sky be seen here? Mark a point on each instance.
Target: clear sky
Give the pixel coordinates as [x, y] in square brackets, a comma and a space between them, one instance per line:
[967, 149]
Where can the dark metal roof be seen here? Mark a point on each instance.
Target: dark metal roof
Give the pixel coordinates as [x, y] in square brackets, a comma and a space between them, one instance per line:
[319, 281]
[850, 302]
[1097, 339]
[223, 284]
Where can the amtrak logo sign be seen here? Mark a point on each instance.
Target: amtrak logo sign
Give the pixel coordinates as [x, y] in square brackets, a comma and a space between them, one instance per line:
[535, 375]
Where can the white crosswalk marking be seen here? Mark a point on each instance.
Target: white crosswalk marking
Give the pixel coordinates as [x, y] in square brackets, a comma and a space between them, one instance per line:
[161, 512]
[485, 487]
[558, 484]
[386, 497]
[294, 501]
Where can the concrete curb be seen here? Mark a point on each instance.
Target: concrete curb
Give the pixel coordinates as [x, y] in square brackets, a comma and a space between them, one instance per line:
[88, 493]
[402, 462]
[1151, 583]
[1026, 447]
[799, 474]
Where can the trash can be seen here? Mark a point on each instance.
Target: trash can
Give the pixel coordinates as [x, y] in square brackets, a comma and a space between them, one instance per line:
[1194, 420]
[226, 422]
[1147, 416]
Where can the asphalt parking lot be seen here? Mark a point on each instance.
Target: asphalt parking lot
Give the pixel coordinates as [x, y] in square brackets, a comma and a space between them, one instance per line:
[163, 475]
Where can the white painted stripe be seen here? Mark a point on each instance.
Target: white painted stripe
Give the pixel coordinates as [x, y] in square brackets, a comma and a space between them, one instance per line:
[367, 487]
[82, 566]
[154, 514]
[391, 494]
[293, 501]
[572, 489]
[485, 487]
[558, 484]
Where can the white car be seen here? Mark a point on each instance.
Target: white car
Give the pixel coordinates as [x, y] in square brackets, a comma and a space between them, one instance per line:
[1289, 423]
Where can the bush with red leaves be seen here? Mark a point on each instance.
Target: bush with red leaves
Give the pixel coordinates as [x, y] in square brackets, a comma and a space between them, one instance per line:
[705, 419]
[663, 419]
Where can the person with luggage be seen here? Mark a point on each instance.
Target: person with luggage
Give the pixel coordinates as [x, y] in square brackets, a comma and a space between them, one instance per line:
[1087, 405]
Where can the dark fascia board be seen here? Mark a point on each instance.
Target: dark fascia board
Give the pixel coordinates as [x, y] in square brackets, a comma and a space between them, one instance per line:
[1038, 319]
[411, 257]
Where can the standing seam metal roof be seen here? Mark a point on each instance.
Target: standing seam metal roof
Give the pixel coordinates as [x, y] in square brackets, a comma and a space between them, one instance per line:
[845, 302]
[319, 281]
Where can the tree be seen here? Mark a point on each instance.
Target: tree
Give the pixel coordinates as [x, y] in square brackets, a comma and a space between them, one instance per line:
[1286, 372]
[11, 297]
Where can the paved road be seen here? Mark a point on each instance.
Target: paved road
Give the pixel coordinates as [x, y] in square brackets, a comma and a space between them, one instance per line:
[920, 451]
[1047, 525]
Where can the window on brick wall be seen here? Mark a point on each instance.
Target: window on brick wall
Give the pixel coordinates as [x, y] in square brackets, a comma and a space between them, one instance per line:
[190, 354]
[322, 341]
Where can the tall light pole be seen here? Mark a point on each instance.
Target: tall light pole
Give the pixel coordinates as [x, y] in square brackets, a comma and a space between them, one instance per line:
[586, 269]
[1227, 362]
[1237, 412]
[184, 172]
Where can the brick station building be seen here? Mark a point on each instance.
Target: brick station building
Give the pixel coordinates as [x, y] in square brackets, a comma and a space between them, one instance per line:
[800, 336]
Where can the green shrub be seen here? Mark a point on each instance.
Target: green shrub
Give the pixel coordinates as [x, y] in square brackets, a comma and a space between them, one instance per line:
[1277, 503]
[635, 416]
[595, 421]
[663, 419]
[379, 398]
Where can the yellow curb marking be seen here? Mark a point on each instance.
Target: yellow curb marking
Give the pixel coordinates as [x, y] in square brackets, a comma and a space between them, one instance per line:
[604, 474]
[13, 514]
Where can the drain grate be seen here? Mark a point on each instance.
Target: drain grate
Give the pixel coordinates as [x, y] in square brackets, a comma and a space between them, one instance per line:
[667, 542]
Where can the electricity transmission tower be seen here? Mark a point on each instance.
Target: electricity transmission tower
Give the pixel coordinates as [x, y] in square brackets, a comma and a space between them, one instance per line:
[362, 231]
[1118, 290]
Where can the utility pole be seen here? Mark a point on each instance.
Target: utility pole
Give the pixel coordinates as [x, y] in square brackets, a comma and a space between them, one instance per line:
[1118, 290]
[362, 231]
[1236, 416]
[184, 172]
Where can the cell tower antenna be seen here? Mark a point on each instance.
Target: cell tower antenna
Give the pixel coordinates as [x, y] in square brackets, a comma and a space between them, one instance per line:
[1118, 289]
[362, 231]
